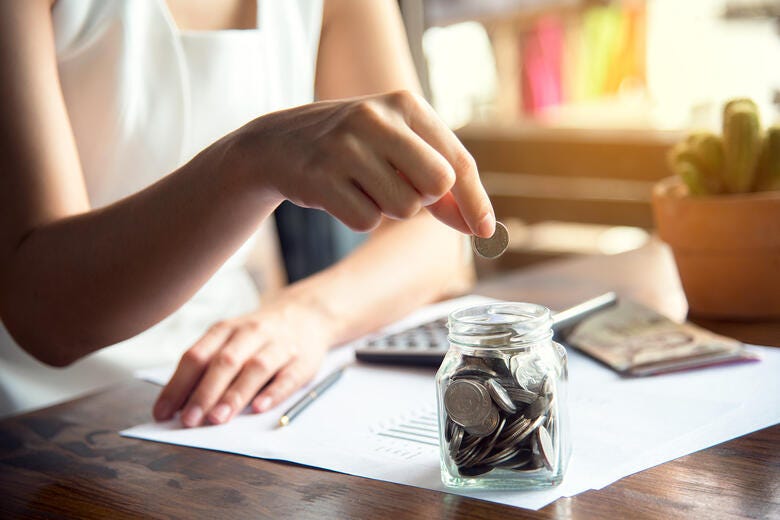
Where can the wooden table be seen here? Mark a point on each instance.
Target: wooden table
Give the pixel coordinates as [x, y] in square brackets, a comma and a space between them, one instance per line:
[69, 460]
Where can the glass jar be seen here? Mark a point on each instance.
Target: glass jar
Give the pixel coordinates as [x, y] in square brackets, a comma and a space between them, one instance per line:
[501, 393]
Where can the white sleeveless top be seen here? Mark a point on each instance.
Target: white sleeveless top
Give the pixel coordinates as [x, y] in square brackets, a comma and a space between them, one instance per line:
[143, 98]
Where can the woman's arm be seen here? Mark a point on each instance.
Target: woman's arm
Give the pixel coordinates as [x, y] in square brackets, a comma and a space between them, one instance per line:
[73, 279]
[363, 50]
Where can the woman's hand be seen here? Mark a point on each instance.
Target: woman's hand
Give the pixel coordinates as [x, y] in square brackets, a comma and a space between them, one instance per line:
[364, 157]
[358, 159]
[273, 351]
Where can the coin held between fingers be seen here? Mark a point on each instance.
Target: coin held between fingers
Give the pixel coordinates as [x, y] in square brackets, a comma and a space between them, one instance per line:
[494, 246]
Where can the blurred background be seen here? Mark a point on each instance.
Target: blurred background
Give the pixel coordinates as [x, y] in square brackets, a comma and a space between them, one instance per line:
[569, 106]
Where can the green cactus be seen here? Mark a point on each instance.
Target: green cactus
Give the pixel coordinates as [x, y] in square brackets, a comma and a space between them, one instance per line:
[742, 145]
[683, 162]
[698, 169]
[768, 173]
[707, 151]
[692, 178]
[740, 161]
[738, 103]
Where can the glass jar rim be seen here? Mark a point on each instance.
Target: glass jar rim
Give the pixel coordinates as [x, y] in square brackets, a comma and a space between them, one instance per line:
[500, 324]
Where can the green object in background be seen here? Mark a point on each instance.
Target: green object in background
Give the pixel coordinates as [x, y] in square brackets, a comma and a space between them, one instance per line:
[741, 145]
[738, 103]
[707, 151]
[686, 161]
[768, 174]
[742, 161]
[693, 178]
[707, 148]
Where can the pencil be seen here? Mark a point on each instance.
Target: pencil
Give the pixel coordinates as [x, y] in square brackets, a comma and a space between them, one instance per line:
[310, 397]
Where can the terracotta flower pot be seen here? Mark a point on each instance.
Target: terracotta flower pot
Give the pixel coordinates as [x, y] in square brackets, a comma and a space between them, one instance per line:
[727, 250]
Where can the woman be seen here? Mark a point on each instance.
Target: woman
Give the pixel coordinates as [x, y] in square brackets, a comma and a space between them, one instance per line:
[129, 183]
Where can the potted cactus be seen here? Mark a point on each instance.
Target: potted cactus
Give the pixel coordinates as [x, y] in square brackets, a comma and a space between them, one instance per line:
[720, 214]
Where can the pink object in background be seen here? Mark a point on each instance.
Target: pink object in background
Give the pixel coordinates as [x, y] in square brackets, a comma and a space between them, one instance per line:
[541, 62]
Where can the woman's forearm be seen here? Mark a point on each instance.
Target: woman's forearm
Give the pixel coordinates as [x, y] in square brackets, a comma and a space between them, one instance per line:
[86, 279]
[89, 280]
[402, 266]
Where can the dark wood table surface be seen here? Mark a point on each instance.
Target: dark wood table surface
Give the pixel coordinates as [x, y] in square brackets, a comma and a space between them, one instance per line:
[69, 460]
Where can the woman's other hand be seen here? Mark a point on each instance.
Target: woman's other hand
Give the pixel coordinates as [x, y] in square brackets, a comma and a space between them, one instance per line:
[365, 157]
[257, 360]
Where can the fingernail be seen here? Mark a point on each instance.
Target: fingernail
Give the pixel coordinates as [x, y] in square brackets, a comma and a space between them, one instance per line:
[487, 226]
[162, 410]
[264, 404]
[192, 416]
[220, 413]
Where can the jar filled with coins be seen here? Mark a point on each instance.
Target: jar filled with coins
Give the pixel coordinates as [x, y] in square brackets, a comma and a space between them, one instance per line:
[502, 399]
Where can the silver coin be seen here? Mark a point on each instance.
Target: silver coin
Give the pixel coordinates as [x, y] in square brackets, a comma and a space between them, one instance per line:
[467, 451]
[519, 461]
[521, 432]
[457, 438]
[485, 360]
[494, 246]
[449, 429]
[467, 403]
[468, 446]
[493, 363]
[500, 397]
[520, 421]
[520, 395]
[511, 431]
[487, 446]
[546, 449]
[540, 407]
[463, 457]
[503, 455]
[487, 426]
[469, 441]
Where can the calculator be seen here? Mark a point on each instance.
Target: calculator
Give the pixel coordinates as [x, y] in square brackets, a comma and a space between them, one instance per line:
[425, 344]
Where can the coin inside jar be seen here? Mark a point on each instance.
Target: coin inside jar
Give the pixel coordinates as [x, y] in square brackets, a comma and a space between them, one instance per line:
[546, 449]
[500, 396]
[494, 246]
[468, 403]
[487, 426]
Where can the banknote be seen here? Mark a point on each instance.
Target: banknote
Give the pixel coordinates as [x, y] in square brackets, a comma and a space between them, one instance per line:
[636, 340]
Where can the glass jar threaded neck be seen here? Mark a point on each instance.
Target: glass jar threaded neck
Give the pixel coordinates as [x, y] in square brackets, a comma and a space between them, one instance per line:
[500, 326]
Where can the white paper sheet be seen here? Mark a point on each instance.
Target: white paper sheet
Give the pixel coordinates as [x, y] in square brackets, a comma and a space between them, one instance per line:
[380, 423]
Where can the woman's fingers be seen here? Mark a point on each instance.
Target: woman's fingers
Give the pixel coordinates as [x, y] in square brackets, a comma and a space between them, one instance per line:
[257, 371]
[189, 371]
[388, 189]
[470, 195]
[407, 134]
[353, 206]
[344, 157]
[289, 379]
[446, 210]
[423, 167]
[432, 158]
[222, 369]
